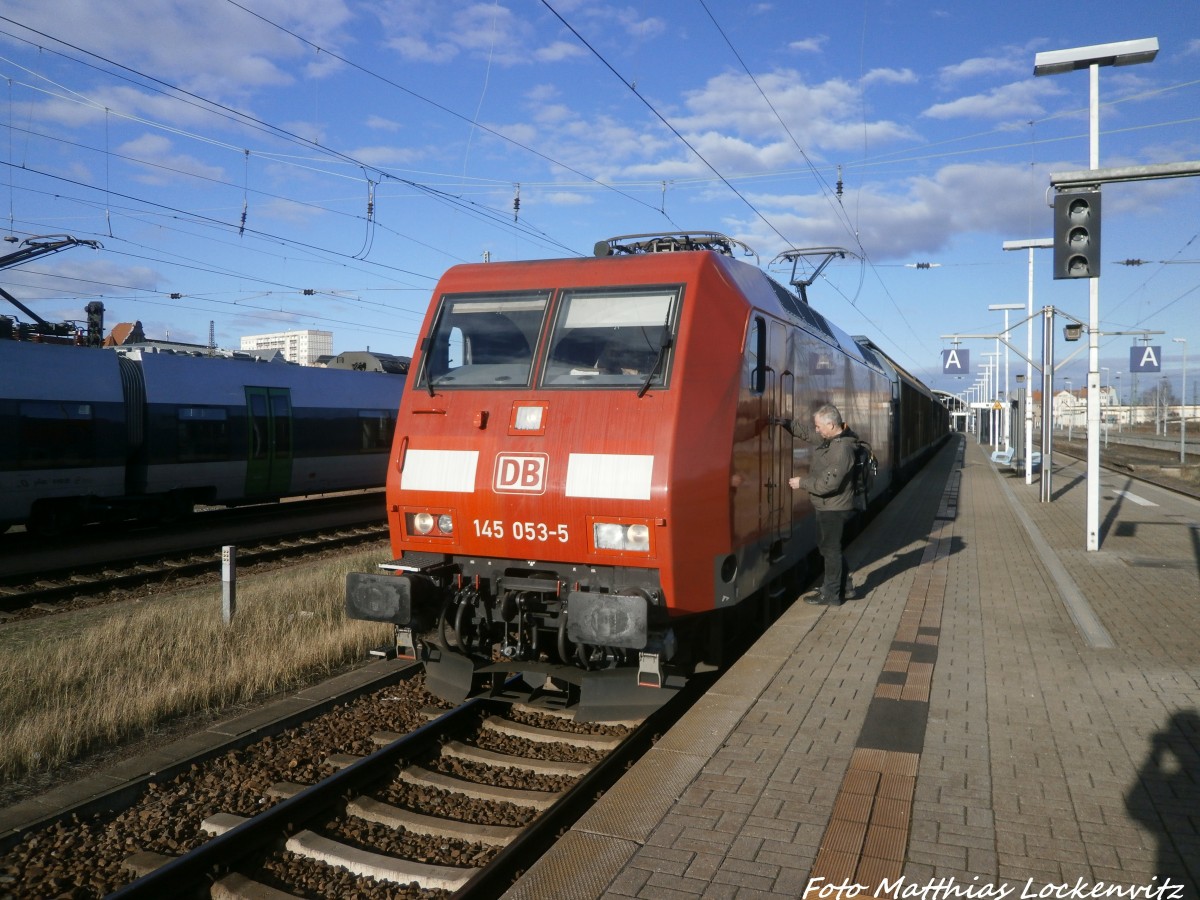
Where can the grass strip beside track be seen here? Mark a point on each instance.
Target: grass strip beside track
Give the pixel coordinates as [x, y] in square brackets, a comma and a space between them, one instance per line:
[74, 683]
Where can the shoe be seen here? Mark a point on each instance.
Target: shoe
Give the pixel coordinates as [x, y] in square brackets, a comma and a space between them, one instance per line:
[832, 602]
[814, 598]
[851, 594]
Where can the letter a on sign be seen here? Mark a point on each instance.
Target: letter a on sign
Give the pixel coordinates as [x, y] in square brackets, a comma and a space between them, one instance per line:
[1145, 359]
[956, 362]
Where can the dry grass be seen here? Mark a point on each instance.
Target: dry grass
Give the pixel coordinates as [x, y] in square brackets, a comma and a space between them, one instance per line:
[70, 684]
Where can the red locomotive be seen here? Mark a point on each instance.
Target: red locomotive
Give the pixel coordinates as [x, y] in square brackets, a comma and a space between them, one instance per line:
[588, 479]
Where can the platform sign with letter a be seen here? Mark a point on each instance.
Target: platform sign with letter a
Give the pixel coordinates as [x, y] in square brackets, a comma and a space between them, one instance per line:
[956, 362]
[1145, 359]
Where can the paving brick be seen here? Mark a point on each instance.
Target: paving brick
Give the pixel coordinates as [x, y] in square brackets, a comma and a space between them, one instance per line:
[652, 890]
[629, 882]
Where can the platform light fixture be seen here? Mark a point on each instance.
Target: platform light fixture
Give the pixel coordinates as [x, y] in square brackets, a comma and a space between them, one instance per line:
[1030, 244]
[1006, 308]
[1183, 405]
[1120, 53]
[1054, 62]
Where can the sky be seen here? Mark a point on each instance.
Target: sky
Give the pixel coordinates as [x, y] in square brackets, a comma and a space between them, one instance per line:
[253, 166]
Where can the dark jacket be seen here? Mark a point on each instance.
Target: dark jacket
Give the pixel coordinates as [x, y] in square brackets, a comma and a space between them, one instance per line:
[829, 479]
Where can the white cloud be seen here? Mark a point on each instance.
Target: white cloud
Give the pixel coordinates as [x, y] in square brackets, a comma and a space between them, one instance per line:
[541, 93]
[1021, 99]
[565, 198]
[553, 113]
[281, 210]
[1007, 65]
[438, 31]
[809, 45]
[416, 49]
[889, 76]
[81, 273]
[379, 123]
[217, 50]
[926, 215]
[639, 27]
[385, 155]
[161, 164]
[726, 120]
[822, 117]
[558, 51]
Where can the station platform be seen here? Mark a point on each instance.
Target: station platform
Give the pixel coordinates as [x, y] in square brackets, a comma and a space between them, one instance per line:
[1003, 714]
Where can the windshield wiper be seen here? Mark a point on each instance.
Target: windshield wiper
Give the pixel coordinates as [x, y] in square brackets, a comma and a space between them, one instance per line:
[662, 353]
[424, 373]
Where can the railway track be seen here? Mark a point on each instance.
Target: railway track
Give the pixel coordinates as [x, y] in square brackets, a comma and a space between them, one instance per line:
[1141, 463]
[44, 594]
[379, 796]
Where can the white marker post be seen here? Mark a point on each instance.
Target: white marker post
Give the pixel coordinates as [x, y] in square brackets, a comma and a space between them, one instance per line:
[228, 583]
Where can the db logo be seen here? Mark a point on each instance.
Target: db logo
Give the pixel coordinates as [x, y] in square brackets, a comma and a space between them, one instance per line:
[523, 473]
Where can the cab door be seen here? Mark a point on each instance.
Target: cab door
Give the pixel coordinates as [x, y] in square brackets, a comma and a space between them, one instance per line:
[776, 464]
[269, 451]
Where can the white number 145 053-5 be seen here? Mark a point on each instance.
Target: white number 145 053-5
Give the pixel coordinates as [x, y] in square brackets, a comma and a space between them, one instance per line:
[521, 531]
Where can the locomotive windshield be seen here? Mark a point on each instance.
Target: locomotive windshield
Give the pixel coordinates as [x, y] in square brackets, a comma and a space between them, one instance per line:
[484, 341]
[608, 338]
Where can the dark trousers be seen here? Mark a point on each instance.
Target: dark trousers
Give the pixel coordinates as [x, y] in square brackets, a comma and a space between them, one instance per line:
[831, 536]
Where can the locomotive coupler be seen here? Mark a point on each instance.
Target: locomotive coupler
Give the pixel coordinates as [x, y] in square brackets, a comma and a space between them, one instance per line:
[650, 670]
[406, 644]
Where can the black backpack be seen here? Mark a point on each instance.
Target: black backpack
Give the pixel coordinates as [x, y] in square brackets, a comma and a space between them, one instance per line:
[866, 467]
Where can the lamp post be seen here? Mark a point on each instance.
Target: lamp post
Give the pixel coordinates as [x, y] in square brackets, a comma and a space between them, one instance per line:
[1024, 403]
[979, 389]
[1107, 402]
[1183, 405]
[1030, 245]
[990, 370]
[1007, 418]
[1045, 494]
[1054, 62]
[1071, 416]
[1120, 404]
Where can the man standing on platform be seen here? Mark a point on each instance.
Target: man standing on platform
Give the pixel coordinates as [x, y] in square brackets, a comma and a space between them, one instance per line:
[830, 484]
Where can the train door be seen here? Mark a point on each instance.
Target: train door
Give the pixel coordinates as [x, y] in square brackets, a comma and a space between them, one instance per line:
[777, 464]
[269, 454]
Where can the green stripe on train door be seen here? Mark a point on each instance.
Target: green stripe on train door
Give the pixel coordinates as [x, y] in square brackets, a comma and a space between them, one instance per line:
[269, 451]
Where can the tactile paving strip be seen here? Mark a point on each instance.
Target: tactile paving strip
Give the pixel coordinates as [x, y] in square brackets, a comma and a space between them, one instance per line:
[560, 876]
[867, 835]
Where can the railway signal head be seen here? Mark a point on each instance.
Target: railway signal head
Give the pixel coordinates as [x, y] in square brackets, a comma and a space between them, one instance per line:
[1077, 234]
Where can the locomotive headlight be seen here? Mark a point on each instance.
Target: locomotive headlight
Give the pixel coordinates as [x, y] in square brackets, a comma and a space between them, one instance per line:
[638, 537]
[609, 536]
[614, 536]
[435, 524]
[528, 418]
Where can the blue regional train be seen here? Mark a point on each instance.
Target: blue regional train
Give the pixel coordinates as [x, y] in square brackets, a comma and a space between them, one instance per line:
[90, 434]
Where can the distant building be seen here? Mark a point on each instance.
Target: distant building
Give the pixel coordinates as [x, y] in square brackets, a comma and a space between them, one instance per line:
[304, 347]
[131, 334]
[366, 361]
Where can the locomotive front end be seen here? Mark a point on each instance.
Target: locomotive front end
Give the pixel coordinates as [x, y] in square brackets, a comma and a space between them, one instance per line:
[526, 497]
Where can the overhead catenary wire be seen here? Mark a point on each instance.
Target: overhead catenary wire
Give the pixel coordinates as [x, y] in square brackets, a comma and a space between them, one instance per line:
[331, 165]
[395, 84]
[662, 118]
[177, 92]
[839, 210]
